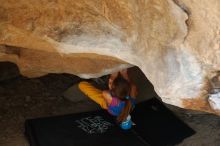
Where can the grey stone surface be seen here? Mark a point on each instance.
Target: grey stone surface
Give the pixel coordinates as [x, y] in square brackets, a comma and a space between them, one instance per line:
[74, 94]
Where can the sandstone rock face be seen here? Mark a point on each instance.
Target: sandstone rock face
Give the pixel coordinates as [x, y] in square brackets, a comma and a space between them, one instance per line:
[176, 43]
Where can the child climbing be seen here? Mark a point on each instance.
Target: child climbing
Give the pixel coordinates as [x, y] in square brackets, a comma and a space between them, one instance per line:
[118, 100]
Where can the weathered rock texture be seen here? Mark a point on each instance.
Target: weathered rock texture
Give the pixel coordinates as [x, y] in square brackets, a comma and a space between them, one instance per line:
[176, 43]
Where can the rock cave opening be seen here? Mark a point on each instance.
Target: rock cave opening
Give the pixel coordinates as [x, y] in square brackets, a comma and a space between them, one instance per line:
[52, 43]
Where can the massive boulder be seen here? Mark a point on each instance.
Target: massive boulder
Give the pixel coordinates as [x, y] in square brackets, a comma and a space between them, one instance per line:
[176, 43]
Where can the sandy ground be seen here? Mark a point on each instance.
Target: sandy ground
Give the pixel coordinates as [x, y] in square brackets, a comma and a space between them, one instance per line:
[22, 98]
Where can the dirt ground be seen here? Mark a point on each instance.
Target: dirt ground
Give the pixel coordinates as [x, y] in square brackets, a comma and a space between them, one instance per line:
[22, 98]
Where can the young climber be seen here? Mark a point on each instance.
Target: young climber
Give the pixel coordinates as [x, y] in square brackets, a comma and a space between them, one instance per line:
[124, 73]
[117, 100]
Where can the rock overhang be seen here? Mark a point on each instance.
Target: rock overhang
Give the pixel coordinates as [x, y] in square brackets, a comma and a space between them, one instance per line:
[168, 40]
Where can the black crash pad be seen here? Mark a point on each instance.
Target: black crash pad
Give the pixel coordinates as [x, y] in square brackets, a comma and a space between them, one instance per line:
[158, 125]
[155, 126]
